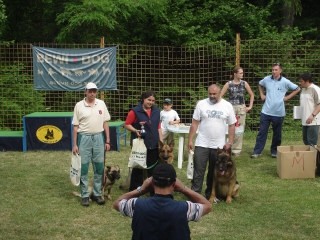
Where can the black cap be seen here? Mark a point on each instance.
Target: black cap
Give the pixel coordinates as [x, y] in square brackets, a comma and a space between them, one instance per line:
[164, 174]
[167, 100]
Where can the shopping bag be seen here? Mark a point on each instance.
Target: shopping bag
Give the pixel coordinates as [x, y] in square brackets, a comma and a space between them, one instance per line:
[190, 165]
[75, 169]
[138, 155]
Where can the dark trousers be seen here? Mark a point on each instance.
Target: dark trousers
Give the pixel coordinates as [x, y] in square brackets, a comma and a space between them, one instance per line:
[202, 156]
[265, 121]
[137, 175]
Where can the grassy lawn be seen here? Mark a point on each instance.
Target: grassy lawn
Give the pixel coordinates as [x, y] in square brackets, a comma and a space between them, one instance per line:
[36, 201]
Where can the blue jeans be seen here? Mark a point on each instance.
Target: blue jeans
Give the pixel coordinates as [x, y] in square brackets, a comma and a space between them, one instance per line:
[265, 121]
[310, 134]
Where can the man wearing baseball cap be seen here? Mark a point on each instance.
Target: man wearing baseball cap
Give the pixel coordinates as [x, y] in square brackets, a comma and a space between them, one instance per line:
[160, 216]
[91, 139]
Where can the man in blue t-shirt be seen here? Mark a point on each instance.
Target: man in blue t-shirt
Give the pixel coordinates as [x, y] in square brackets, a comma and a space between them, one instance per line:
[273, 91]
[159, 216]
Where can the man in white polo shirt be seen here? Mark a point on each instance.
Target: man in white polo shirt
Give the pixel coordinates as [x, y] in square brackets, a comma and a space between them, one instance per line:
[91, 139]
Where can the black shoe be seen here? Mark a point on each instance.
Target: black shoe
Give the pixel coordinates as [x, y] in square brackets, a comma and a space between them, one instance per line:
[98, 199]
[85, 202]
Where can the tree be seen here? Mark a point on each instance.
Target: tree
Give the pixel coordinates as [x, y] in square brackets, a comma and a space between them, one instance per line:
[289, 10]
[32, 21]
[3, 17]
[118, 20]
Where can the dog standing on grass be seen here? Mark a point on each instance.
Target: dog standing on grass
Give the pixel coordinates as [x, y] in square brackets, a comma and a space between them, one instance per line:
[225, 183]
[111, 175]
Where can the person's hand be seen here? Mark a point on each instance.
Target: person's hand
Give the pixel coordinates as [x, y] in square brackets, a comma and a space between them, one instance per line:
[75, 149]
[147, 185]
[107, 147]
[227, 146]
[309, 119]
[138, 133]
[190, 146]
[263, 97]
[178, 186]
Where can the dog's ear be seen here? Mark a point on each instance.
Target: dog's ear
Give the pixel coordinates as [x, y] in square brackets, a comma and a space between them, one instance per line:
[171, 144]
[229, 163]
[228, 151]
[160, 144]
[108, 168]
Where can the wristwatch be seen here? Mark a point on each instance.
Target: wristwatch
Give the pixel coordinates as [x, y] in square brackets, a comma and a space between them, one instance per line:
[139, 189]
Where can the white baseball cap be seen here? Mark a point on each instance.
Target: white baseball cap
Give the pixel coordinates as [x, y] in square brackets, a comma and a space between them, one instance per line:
[91, 85]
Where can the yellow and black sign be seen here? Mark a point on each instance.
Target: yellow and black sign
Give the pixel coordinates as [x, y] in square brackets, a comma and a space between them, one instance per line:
[49, 134]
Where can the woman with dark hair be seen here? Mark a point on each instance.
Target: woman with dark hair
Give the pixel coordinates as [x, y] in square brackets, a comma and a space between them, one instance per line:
[144, 121]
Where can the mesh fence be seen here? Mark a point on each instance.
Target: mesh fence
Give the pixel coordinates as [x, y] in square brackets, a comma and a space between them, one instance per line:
[180, 73]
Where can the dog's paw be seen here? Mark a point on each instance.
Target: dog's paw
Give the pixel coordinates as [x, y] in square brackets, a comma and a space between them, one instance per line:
[214, 200]
[229, 199]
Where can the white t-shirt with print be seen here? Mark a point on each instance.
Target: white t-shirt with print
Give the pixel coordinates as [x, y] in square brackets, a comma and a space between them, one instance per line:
[214, 120]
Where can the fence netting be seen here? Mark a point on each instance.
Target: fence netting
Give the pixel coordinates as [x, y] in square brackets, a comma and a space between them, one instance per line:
[181, 73]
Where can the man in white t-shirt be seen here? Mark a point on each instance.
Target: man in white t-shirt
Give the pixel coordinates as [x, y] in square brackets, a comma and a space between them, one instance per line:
[91, 139]
[310, 106]
[168, 116]
[211, 117]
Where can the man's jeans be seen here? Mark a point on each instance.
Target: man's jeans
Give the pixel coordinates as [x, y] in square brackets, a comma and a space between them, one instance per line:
[310, 134]
[265, 121]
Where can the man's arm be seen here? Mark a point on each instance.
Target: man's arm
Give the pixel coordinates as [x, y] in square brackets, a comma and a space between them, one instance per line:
[261, 91]
[146, 186]
[75, 148]
[193, 196]
[192, 132]
[292, 94]
[231, 133]
[107, 135]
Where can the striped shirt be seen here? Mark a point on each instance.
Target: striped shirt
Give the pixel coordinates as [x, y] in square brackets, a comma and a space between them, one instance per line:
[194, 210]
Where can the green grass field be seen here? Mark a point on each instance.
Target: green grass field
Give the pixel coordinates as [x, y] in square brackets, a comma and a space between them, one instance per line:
[36, 201]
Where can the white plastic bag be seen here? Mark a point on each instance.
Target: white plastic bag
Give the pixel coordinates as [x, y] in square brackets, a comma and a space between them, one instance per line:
[190, 165]
[138, 155]
[75, 169]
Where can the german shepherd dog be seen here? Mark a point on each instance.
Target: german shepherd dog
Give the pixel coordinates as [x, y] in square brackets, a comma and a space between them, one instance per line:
[165, 155]
[225, 183]
[111, 174]
[166, 152]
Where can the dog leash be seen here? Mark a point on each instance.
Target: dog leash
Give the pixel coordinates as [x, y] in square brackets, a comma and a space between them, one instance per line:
[153, 165]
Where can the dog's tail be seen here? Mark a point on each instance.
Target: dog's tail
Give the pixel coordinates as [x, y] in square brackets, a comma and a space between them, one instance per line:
[77, 194]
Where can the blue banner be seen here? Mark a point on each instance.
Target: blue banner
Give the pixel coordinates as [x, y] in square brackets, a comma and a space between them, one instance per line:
[71, 69]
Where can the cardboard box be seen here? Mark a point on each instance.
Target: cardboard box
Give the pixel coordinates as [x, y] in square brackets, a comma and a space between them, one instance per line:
[297, 161]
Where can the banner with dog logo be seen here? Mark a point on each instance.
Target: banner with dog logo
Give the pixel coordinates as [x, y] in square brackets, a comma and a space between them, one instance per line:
[71, 69]
[138, 155]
